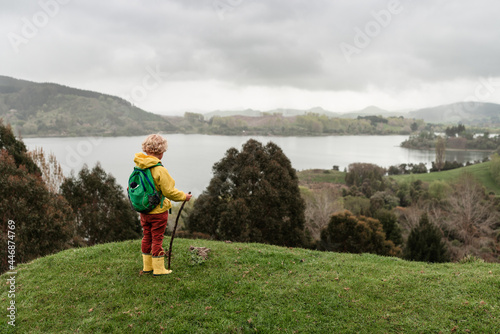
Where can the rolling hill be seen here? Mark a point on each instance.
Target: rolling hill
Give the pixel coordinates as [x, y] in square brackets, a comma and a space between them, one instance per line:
[285, 112]
[247, 288]
[48, 109]
[468, 113]
[480, 171]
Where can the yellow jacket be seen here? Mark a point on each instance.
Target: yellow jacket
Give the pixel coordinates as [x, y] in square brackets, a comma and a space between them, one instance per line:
[163, 182]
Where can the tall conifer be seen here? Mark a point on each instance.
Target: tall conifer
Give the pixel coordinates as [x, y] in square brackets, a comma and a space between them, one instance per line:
[252, 197]
[425, 243]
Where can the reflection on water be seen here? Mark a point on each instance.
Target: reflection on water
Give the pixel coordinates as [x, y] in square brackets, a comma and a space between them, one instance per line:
[190, 158]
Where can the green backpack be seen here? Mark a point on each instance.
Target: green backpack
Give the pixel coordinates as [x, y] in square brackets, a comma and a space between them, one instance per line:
[141, 190]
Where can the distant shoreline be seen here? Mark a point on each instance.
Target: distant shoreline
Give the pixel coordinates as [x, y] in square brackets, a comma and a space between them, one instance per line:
[449, 149]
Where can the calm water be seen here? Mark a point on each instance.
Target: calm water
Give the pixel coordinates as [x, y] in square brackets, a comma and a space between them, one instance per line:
[190, 158]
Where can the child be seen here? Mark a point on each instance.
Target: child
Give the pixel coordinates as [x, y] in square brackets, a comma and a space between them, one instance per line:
[154, 222]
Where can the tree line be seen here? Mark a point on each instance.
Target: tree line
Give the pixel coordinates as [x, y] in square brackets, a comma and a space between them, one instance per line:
[455, 137]
[311, 124]
[434, 222]
[52, 212]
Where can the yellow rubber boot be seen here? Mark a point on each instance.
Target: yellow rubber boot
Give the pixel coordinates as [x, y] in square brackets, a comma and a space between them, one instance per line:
[159, 266]
[147, 260]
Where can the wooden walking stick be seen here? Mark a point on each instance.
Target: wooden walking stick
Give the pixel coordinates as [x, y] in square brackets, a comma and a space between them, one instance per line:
[173, 233]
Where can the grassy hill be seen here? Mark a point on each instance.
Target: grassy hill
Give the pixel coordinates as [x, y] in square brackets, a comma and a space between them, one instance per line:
[47, 109]
[480, 171]
[244, 288]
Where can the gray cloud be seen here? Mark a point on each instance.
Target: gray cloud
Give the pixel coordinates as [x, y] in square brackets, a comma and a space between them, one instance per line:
[250, 42]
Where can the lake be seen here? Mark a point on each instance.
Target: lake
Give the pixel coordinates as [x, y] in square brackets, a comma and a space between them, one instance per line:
[190, 158]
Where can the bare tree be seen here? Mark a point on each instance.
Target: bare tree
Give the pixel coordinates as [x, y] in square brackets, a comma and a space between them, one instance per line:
[470, 213]
[409, 217]
[320, 205]
[440, 152]
[52, 173]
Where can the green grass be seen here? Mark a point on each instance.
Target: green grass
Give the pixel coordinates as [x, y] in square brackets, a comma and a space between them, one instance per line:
[321, 175]
[246, 288]
[480, 171]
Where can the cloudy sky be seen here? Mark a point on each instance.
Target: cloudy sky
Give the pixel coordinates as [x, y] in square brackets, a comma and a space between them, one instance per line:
[171, 56]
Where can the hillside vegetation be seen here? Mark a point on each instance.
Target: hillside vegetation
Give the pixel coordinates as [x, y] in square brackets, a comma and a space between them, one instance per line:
[470, 113]
[480, 171]
[310, 124]
[46, 109]
[243, 288]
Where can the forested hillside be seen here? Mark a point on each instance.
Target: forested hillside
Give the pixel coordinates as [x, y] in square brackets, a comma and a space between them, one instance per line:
[470, 113]
[311, 124]
[47, 109]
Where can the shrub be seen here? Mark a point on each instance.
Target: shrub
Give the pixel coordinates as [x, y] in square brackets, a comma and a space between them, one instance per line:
[368, 177]
[359, 206]
[439, 190]
[383, 200]
[350, 234]
[470, 259]
[425, 243]
[390, 224]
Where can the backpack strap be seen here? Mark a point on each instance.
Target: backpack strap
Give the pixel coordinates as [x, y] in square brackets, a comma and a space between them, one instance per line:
[162, 197]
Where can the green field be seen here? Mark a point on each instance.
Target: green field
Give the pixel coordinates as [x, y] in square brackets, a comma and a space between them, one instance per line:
[480, 171]
[247, 288]
[321, 175]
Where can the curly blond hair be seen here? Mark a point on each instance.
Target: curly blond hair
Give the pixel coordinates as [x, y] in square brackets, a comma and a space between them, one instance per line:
[155, 144]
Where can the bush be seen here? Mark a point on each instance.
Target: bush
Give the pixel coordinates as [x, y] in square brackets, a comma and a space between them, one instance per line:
[359, 206]
[368, 177]
[347, 233]
[470, 259]
[439, 190]
[383, 200]
[390, 224]
[425, 243]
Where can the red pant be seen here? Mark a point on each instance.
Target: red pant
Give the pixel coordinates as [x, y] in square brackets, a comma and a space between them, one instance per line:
[153, 227]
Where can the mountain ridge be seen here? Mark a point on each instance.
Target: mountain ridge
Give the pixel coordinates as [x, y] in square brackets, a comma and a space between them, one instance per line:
[51, 109]
[57, 110]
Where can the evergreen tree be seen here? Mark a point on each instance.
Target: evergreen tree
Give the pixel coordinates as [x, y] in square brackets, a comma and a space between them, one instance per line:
[42, 220]
[425, 244]
[390, 224]
[16, 148]
[103, 213]
[252, 197]
[350, 234]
